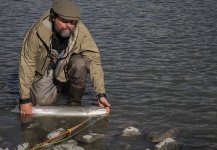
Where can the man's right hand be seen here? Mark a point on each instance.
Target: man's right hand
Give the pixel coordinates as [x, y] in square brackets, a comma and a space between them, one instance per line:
[26, 108]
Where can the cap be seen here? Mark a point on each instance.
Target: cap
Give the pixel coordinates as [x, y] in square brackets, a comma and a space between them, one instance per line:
[66, 9]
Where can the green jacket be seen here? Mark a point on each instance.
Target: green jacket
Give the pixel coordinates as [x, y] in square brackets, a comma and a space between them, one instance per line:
[34, 59]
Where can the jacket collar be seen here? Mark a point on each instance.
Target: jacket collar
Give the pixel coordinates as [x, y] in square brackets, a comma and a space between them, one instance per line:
[44, 29]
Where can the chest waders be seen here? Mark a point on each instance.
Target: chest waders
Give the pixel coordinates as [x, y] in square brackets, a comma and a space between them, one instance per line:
[77, 70]
[44, 91]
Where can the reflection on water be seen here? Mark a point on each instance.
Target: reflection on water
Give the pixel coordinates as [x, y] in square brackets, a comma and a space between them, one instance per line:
[160, 68]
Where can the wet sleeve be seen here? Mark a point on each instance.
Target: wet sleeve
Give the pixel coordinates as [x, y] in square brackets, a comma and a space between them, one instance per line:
[90, 52]
[27, 63]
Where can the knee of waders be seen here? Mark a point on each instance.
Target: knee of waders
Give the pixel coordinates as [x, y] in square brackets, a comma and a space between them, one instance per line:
[77, 67]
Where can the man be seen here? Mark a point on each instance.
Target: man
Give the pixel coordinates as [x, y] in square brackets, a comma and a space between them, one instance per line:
[58, 49]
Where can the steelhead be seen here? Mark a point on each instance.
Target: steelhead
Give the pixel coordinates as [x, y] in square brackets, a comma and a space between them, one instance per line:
[65, 111]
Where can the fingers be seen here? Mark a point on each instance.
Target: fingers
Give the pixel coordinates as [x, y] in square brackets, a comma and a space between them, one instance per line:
[107, 110]
[104, 103]
[26, 109]
[25, 112]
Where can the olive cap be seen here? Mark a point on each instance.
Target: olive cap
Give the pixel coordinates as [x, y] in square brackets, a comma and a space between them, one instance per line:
[66, 9]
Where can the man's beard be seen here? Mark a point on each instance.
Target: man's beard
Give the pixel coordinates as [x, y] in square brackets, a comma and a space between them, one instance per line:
[64, 32]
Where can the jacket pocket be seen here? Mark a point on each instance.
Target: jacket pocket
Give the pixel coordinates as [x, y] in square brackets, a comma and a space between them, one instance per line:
[42, 63]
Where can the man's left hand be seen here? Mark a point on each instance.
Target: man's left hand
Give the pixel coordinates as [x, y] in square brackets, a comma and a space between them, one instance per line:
[103, 102]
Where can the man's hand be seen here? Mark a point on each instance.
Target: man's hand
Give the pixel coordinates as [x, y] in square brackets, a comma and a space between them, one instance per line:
[26, 108]
[104, 103]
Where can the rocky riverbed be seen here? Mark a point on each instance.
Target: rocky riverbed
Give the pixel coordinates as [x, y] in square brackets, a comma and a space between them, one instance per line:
[163, 140]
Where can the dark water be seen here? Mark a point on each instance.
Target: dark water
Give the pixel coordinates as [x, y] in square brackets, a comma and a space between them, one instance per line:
[160, 63]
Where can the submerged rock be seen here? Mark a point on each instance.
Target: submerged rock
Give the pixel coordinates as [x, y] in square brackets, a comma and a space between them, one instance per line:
[1, 139]
[168, 144]
[119, 145]
[89, 138]
[160, 136]
[32, 124]
[29, 125]
[54, 134]
[5, 144]
[125, 146]
[71, 141]
[130, 131]
[23, 146]
[67, 147]
[4, 148]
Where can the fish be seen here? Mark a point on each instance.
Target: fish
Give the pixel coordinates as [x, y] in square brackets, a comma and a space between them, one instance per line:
[65, 111]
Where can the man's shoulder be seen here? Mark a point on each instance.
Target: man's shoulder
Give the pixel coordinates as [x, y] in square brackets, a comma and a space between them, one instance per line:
[45, 15]
[82, 28]
[43, 21]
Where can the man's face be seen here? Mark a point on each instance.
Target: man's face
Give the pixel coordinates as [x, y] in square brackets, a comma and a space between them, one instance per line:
[64, 27]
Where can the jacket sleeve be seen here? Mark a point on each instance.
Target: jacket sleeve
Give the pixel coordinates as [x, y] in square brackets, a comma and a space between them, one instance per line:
[96, 71]
[89, 50]
[27, 63]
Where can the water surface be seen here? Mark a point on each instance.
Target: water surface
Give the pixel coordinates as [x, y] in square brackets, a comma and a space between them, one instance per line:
[160, 64]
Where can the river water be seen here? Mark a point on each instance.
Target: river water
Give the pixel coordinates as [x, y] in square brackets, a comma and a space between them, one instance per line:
[160, 64]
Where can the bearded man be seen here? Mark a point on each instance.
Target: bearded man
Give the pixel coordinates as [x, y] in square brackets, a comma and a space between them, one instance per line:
[59, 49]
